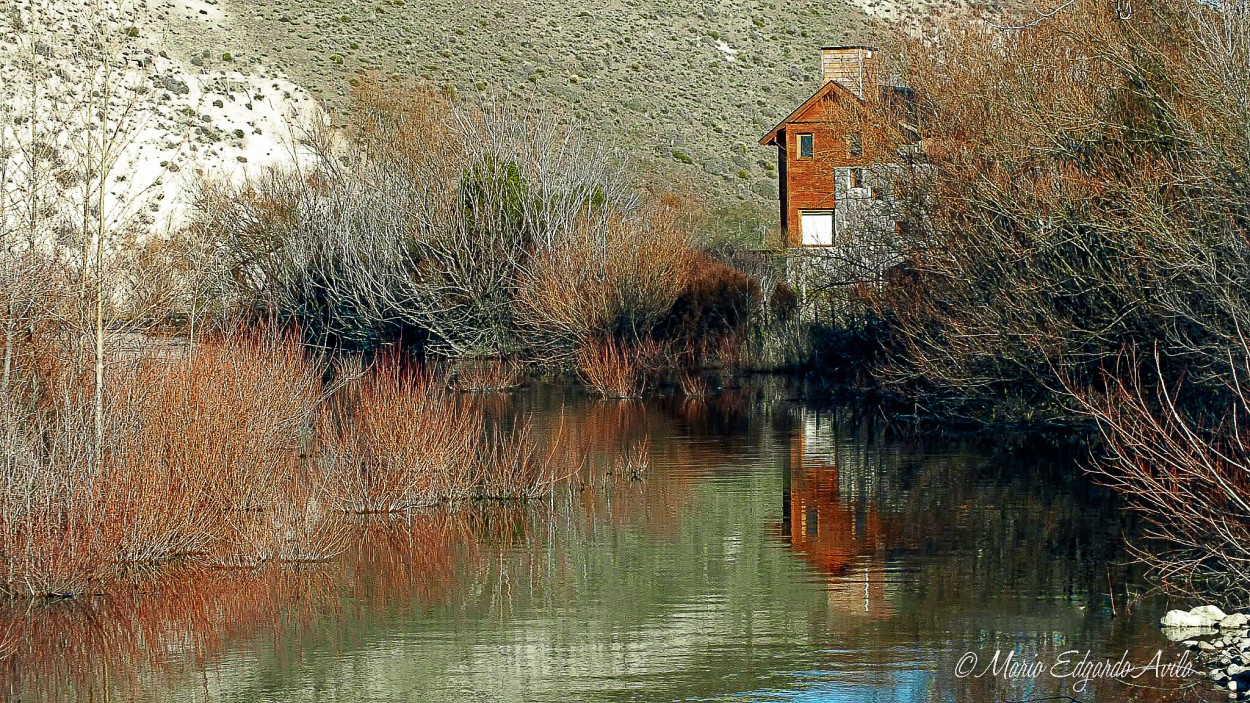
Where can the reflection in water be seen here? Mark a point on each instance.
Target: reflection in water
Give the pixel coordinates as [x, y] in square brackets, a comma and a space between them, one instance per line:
[827, 520]
[774, 552]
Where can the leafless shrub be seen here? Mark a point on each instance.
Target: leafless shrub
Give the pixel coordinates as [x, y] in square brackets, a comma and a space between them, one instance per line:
[618, 370]
[197, 448]
[1082, 198]
[1186, 477]
[635, 461]
[513, 464]
[401, 442]
[1071, 209]
[692, 383]
[475, 231]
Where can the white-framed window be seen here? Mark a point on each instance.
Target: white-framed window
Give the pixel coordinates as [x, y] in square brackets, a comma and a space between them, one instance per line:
[807, 146]
[816, 227]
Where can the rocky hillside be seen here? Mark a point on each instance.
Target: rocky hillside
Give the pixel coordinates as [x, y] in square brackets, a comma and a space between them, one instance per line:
[173, 120]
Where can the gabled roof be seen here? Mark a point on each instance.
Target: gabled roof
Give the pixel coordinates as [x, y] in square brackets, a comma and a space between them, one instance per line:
[820, 94]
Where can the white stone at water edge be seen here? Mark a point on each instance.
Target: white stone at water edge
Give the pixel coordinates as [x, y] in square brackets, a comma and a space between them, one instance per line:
[1202, 616]
[1234, 621]
[1209, 611]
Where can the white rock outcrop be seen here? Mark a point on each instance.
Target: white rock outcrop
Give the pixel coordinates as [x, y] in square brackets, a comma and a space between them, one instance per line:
[70, 73]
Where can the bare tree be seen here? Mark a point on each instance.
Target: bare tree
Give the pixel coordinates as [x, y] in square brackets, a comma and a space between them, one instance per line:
[448, 219]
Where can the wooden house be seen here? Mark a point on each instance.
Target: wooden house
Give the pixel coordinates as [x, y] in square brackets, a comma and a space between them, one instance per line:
[829, 159]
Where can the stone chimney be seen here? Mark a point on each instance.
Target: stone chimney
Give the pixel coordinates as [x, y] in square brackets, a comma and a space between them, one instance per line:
[854, 67]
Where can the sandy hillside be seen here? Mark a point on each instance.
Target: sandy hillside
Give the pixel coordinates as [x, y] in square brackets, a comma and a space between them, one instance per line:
[178, 118]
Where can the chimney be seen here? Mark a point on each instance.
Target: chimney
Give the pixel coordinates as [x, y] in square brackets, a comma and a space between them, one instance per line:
[854, 67]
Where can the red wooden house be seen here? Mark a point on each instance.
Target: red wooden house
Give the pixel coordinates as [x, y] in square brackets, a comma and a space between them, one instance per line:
[823, 154]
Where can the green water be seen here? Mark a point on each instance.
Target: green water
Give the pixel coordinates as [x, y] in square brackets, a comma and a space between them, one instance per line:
[773, 552]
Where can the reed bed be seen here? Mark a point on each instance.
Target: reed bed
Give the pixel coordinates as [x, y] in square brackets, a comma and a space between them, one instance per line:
[692, 383]
[403, 441]
[233, 456]
[618, 370]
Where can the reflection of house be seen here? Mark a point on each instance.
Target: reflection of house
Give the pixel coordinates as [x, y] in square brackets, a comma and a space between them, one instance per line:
[841, 536]
[833, 169]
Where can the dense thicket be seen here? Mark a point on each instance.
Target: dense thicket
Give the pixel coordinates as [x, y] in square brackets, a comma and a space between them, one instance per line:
[1080, 247]
[469, 231]
[1085, 185]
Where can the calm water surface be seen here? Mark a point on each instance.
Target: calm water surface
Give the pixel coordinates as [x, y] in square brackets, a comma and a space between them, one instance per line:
[774, 552]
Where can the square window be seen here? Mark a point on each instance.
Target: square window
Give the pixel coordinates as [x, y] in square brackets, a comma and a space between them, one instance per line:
[806, 146]
[816, 228]
[855, 144]
[857, 178]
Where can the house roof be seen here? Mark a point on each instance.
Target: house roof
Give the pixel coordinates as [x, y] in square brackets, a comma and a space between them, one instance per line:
[820, 94]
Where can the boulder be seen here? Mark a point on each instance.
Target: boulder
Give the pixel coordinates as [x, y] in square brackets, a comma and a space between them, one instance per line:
[1210, 612]
[1182, 618]
[1202, 616]
[1234, 621]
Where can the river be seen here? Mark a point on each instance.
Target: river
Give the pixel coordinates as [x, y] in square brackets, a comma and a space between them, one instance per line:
[773, 550]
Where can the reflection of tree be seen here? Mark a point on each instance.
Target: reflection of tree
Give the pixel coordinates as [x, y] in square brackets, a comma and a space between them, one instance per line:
[958, 519]
[177, 621]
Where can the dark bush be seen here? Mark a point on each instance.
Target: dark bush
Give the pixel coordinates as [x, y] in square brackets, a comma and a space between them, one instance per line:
[784, 302]
[717, 301]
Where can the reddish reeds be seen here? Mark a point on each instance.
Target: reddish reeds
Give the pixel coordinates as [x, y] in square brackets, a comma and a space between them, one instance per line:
[232, 456]
[606, 271]
[208, 440]
[616, 370]
[485, 376]
[692, 383]
[635, 461]
[199, 451]
[512, 464]
[402, 442]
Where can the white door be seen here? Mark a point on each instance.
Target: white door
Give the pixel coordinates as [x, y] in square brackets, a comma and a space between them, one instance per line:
[817, 228]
